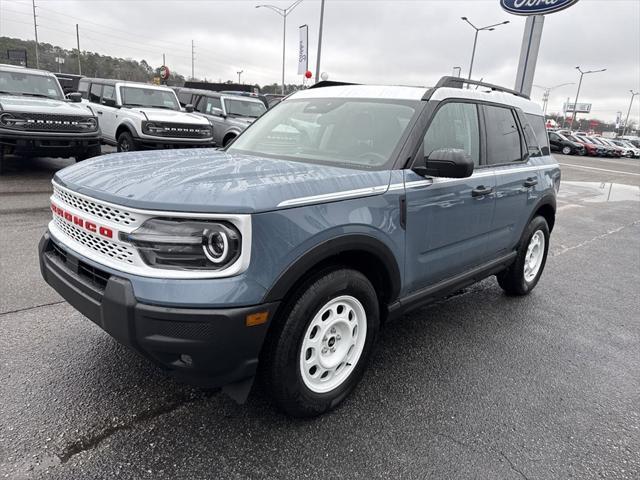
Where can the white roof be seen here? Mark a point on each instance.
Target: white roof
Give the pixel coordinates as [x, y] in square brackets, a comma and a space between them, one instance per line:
[416, 93]
[18, 68]
[363, 91]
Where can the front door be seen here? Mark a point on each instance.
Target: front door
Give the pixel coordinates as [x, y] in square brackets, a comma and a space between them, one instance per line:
[448, 220]
[109, 116]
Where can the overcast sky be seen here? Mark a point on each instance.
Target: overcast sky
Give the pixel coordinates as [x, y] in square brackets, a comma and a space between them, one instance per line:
[383, 41]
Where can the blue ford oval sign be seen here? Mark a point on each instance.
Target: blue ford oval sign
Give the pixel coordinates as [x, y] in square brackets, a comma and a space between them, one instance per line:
[535, 7]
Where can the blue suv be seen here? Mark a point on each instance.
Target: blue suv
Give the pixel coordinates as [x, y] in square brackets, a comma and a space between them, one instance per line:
[280, 256]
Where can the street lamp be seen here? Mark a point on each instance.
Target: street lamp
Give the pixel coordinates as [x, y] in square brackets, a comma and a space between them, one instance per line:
[459, 71]
[547, 91]
[239, 73]
[489, 28]
[575, 104]
[283, 12]
[626, 122]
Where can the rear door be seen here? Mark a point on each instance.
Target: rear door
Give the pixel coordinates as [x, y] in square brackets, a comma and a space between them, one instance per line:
[511, 151]
[448, 220]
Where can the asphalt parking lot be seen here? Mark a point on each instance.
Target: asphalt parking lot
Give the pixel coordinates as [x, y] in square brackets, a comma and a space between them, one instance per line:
[476, 386]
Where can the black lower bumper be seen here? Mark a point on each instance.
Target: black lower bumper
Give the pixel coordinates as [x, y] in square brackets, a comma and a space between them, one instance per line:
[204, 347]
[49, 145]
[147, 144]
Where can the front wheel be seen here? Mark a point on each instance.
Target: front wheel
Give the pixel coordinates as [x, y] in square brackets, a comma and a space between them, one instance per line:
[126, 142]
[525, 272]
[319, 349]
[566, 150]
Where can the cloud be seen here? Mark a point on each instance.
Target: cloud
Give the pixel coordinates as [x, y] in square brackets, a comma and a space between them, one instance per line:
[384, 41]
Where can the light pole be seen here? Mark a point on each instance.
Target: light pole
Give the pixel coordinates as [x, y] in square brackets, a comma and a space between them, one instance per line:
[575, 104]
[283, 12]
[459, 69]
[319, 41]
[239, 73]
[547, 91]
[626, 122]
[489, 28]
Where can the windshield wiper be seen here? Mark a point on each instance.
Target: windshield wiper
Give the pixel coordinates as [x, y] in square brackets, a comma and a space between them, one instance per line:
[132, 105]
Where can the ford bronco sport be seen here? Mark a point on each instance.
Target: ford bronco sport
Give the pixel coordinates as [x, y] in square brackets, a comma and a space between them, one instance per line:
[281, 255]
[137, 116]
[36, 119]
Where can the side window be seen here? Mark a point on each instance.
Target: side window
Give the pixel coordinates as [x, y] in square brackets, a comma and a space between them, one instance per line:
[504, 144]
[530, 138]
[213, 103]
[455, 126]
[109, 95]
[94, 94]
[184, 98]
[83, 88]
[539, 128]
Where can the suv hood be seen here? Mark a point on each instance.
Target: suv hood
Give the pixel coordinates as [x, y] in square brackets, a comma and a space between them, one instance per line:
[169, 116]
[21, 104]
[213, 181]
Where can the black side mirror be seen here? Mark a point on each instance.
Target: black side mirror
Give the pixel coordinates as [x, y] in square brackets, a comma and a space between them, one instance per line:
[446, 162]
[75, 97]
[188, 108]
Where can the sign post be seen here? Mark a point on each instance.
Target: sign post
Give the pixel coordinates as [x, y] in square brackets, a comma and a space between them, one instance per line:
[535, 10]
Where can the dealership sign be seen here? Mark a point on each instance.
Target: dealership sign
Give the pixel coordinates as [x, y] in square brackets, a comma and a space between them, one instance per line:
[535, 7]
[577, 107]
[303, 50]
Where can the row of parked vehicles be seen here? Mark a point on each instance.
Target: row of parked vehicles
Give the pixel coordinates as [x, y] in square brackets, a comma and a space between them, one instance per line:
[580, 143]
[37, 118]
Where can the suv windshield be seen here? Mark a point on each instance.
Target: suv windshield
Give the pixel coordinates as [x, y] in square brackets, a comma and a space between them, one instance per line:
[244, 108]
[148, 97]
[29, 84]
[342, 132]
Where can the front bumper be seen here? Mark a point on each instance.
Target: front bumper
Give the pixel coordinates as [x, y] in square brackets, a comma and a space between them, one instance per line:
[204, 347]
[53, 144]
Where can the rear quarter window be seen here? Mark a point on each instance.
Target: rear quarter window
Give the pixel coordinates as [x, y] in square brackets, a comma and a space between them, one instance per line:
[540, 130]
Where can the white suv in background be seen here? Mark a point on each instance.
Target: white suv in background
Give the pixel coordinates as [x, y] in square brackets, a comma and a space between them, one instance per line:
[137, 116]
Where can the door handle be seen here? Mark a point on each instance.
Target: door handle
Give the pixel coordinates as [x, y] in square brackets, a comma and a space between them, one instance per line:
[481, 191]
[530, 182]
[99, 112]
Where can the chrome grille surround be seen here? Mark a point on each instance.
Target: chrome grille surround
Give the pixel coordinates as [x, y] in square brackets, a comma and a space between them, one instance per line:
[116, 252]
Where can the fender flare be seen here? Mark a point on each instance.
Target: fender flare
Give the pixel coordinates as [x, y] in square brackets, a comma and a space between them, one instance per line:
[331, 248]
[547, 200]
[129, 125]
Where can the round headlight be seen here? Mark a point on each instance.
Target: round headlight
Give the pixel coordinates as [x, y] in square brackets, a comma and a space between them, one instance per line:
[215, 245]
[7, 119]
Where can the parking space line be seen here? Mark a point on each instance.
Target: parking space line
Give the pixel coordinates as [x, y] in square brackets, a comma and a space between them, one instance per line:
[599, 169]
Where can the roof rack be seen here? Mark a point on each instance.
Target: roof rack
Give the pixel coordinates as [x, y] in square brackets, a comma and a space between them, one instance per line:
[457, 82]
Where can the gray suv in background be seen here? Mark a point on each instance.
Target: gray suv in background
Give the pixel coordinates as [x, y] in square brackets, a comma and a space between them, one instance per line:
[229, 114]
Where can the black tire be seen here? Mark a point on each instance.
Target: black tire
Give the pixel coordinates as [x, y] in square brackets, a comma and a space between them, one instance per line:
[228, 140]
[89, 153]
[280, 363]
[512, 280]
[566, 150]
[126, 142]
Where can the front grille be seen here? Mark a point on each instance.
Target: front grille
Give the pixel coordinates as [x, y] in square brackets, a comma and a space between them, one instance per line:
[108, 213]
[41, 122]
[98, 277]
[59, 252]
[122, 253]
[179, 130]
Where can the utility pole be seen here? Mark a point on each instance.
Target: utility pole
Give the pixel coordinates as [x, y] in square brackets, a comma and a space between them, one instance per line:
[78, 39]
[626, 122]
[35, 28]
[163, 60]
[192, 61]
[319, 41]
[239, 73]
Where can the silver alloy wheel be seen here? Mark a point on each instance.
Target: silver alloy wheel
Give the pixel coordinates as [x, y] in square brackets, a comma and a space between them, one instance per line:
[566, 150]
[534, 256]
[124, 145]
[333, 343]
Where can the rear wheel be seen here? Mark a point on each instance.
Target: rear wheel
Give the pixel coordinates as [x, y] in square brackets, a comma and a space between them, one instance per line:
[126, 142]
[566, 150]
[525, 272]
[318, 352]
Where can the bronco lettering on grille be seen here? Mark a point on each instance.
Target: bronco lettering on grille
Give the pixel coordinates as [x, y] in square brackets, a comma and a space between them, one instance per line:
[81, 222]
